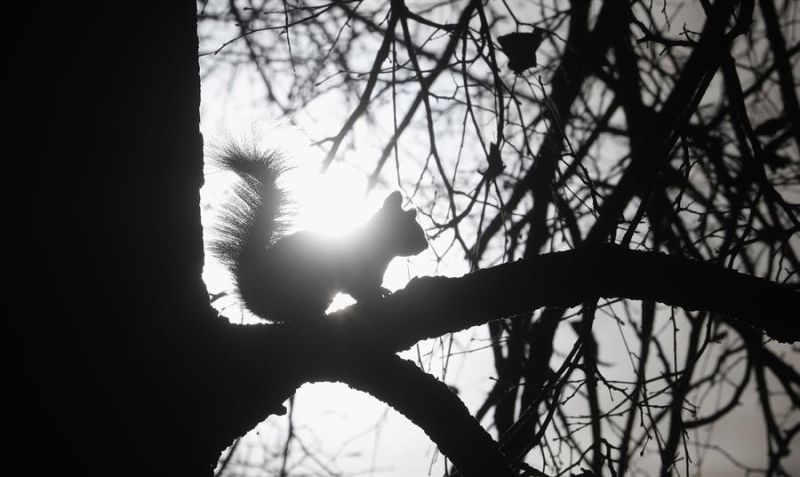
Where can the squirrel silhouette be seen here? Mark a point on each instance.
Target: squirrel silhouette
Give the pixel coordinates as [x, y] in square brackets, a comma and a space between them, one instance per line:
[293, 278]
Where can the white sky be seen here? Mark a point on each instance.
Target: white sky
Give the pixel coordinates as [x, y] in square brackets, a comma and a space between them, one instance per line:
[335, 421]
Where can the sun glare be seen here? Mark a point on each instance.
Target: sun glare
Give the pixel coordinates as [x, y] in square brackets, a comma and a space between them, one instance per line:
[332, 203]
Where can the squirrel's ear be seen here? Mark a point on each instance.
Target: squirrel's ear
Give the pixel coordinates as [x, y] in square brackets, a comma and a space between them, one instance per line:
[394, 200]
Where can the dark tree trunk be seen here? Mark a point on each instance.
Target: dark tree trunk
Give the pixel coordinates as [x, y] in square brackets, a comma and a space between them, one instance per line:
[112, 318]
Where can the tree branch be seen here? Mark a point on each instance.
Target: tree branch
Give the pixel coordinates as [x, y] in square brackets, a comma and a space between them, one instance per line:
[289, 355]
[423, 399]
[430, 307]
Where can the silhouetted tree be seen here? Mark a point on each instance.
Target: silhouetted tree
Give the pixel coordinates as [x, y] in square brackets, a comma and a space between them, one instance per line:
[120, 366]
[527, 127]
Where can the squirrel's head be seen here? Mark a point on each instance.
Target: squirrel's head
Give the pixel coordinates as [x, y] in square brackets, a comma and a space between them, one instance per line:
[399, 227]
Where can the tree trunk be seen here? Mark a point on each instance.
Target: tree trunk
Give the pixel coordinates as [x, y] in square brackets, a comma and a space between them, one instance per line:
[112, 317]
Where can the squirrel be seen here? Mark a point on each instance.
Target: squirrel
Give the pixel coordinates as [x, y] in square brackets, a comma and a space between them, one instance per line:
[293, 278]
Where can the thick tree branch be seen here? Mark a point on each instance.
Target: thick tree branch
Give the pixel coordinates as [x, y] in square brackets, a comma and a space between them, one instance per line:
[431, 307]
[426, 401]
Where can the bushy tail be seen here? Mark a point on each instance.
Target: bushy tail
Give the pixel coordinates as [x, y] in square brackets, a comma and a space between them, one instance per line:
[254, 218]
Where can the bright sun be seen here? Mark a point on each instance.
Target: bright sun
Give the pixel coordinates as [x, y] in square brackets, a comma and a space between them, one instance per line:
[332, 203]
